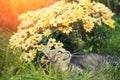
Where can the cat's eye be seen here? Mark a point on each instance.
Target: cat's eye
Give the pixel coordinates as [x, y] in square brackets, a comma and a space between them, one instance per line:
[60, 52]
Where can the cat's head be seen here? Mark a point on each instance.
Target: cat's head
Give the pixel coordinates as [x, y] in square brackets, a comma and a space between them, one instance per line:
[58, 56]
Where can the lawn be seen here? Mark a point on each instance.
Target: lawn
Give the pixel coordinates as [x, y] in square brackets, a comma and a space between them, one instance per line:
[11, 67]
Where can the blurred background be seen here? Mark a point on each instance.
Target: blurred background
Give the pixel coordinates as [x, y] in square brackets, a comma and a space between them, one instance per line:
[10, 9]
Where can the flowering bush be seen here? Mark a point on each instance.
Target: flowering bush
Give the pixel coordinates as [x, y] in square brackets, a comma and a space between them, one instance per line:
[63, 24]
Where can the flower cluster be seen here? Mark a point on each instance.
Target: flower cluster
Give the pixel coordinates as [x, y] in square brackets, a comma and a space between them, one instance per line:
[34, 32]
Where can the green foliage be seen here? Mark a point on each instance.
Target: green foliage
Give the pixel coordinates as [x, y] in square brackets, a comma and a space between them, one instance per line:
[95, 40]
[112, 44]
[81, 41]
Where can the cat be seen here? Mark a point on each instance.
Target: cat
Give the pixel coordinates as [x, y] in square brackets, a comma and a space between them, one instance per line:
[64, 60]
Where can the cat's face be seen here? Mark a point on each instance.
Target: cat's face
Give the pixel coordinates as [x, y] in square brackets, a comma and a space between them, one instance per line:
[58, 56]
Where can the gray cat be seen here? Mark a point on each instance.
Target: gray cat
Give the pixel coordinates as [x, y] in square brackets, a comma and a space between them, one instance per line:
[62, 59]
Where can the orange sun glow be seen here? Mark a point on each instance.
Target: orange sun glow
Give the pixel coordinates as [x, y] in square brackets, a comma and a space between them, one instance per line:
[10, 9]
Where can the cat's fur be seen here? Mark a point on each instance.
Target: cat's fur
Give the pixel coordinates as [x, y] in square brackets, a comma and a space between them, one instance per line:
[63, 59]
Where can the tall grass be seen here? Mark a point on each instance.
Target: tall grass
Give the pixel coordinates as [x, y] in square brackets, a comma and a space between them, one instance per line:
[4, 36]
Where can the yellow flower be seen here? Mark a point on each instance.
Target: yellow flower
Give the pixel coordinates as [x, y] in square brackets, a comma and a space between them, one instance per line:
[85, 1]
[88, 1]
[32, 30]
[88, 27]
[19, 30]
[60, 28]
[27, 57]
[46, 22]
[25, 46]
[67, 30]
[98, 21]
[23, 35]
[40, 47]
[54, 22]
[58, 44]
[39, 24]
[47, 32]
[20, 42]
[37, 37]
[30, 41]
[23, 16]
[33, 52]
[110, 23]
[51, 42]
[65, 23]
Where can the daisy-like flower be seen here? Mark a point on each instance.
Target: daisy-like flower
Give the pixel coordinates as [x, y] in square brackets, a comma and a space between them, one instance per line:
[53, 21]
[65, 23]
[23, 35]
[88, 27]
[32, 30]
[30, 41]
[20, 42]
[37, 37]
[99, 21]
[25, 23]
[23, 17]
[58, 44]
[67, 30]
[27, 57]
[47, 33]
[25, 46]
[33, 52]
[40, 47]
[85, 1]
[51, 42]
[110, 23]
[46, 22]
[60, 28]
[39, 24]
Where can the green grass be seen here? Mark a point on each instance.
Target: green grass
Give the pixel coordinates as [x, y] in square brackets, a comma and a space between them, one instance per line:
[11, 67]
[112, 44]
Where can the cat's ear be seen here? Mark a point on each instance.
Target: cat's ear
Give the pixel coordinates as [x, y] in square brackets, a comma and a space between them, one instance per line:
[46, 51]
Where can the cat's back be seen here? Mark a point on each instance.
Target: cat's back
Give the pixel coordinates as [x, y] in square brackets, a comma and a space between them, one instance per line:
[92, 60]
